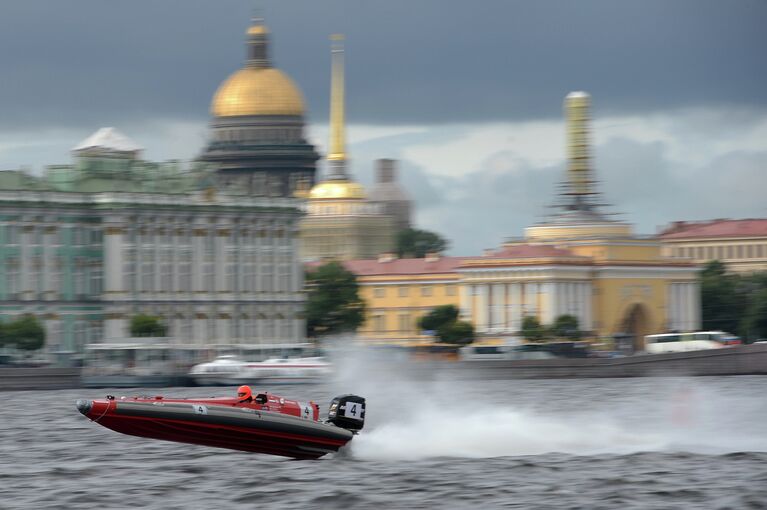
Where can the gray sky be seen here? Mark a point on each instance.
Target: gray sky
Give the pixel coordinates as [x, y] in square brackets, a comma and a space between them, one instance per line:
[467, 94]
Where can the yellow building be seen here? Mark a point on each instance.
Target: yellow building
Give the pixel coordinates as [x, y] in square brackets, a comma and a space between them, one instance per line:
[340, 222]
[400, 291]
[579, 262]
[740, 244]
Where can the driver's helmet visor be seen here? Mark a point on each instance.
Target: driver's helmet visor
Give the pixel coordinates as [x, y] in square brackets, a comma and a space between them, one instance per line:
[241, 394]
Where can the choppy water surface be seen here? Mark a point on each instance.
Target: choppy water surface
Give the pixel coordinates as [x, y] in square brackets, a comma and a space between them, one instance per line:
[598, 443]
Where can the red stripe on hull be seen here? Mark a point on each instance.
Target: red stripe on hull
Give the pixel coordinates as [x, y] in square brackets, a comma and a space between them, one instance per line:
[222, 436]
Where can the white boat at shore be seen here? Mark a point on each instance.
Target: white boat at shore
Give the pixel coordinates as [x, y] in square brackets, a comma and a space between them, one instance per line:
[229, 370]
[219, 372]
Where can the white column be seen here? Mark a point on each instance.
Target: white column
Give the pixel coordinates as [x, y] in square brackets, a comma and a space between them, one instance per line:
[547, 303]
[515, 306]
[482, 315]
[219, 261]
[48, 261]
[673, 307]
[696, 320]
[464, 291]
[556, 298]
[197, 256]
[498, 320]
[113, 260]
[690, 302]
[223, 331]
[296, 268]
[24, 261]
[587, 293]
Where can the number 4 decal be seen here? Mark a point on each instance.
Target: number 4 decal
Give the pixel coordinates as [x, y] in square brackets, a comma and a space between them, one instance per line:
[353, 410]
[200, 409]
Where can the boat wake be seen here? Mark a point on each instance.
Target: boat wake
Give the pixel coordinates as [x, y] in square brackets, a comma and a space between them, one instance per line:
[423, 412]
[483, 433]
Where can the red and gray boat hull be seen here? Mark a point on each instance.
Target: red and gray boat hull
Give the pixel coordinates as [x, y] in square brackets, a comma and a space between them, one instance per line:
[223, 426]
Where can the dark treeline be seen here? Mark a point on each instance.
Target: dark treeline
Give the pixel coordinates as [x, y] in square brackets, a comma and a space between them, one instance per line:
[736, 303]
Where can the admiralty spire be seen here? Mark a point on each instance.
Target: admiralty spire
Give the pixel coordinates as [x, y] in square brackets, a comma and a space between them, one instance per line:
[340, 222]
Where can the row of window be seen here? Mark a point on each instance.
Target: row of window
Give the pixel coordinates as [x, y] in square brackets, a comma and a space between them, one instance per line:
[83, 277]
[233, 240]
[278, 329]
[739, 251]
[167, 277]
[426, 290]
[13, 235]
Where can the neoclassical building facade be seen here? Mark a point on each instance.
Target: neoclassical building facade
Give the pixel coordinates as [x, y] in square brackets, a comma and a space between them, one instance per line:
[210, 247]
[578, 262]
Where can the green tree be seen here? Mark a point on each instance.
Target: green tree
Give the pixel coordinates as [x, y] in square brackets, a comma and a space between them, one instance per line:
[415, 243]
[147, 325]
[25, 333]
[532, 329]
[456, 332]
[721, 304]
[333, 303]
[755, 319]
[438, 317]
[566, 326]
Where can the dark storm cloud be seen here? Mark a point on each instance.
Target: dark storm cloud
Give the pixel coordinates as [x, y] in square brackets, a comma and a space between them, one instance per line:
[94, 62]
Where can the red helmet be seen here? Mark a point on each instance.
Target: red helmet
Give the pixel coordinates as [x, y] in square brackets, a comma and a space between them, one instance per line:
[244, 393]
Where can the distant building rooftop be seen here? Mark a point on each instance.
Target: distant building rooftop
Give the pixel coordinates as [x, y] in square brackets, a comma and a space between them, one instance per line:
[391, 265]
[715, 228]
[523, 251]
[110, 139]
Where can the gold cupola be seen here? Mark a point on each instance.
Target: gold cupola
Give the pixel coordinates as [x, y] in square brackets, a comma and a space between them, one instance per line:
[258, 88]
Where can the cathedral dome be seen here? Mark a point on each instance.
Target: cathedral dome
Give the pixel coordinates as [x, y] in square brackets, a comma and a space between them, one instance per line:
[257, 91]
[335, 190]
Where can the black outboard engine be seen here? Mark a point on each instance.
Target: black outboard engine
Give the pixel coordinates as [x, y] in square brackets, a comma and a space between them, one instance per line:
[348, 412]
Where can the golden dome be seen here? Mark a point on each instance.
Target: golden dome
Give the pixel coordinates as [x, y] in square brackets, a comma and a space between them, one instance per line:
[258, 29]
[257, 91]
[329, 190]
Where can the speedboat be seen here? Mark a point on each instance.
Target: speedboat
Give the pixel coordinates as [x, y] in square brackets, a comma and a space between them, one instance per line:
[268, 424]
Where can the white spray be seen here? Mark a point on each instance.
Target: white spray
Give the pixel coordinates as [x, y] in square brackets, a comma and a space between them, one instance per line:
[419, 413]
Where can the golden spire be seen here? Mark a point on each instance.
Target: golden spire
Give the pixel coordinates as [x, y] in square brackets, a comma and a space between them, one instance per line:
[578, 161]
[337, 121]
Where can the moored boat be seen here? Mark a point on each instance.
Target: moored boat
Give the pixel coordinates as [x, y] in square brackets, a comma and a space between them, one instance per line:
[286, 370]
[266, 424]
[230, 371]
[224, 371]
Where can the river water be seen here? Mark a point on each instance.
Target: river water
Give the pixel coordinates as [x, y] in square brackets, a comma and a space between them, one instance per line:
[428, 443]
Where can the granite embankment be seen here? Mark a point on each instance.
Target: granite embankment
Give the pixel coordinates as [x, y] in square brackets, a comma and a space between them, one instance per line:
[740, 360]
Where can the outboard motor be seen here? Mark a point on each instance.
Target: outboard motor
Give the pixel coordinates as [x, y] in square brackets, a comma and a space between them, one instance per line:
[348, 412]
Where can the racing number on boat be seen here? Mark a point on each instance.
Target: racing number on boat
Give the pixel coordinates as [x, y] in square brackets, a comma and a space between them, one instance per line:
[353, 410]
[306, 411]
[200, 409]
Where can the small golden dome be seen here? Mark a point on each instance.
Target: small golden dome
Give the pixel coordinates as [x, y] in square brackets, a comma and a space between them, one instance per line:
[257, 91]
[329, 190]
[258, 29]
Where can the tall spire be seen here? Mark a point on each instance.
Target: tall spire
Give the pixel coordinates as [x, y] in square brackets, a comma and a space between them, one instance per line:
[337, 153]
[258, 44]
[579, 173]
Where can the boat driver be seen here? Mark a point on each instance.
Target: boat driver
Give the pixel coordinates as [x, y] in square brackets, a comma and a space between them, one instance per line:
[244, 395]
